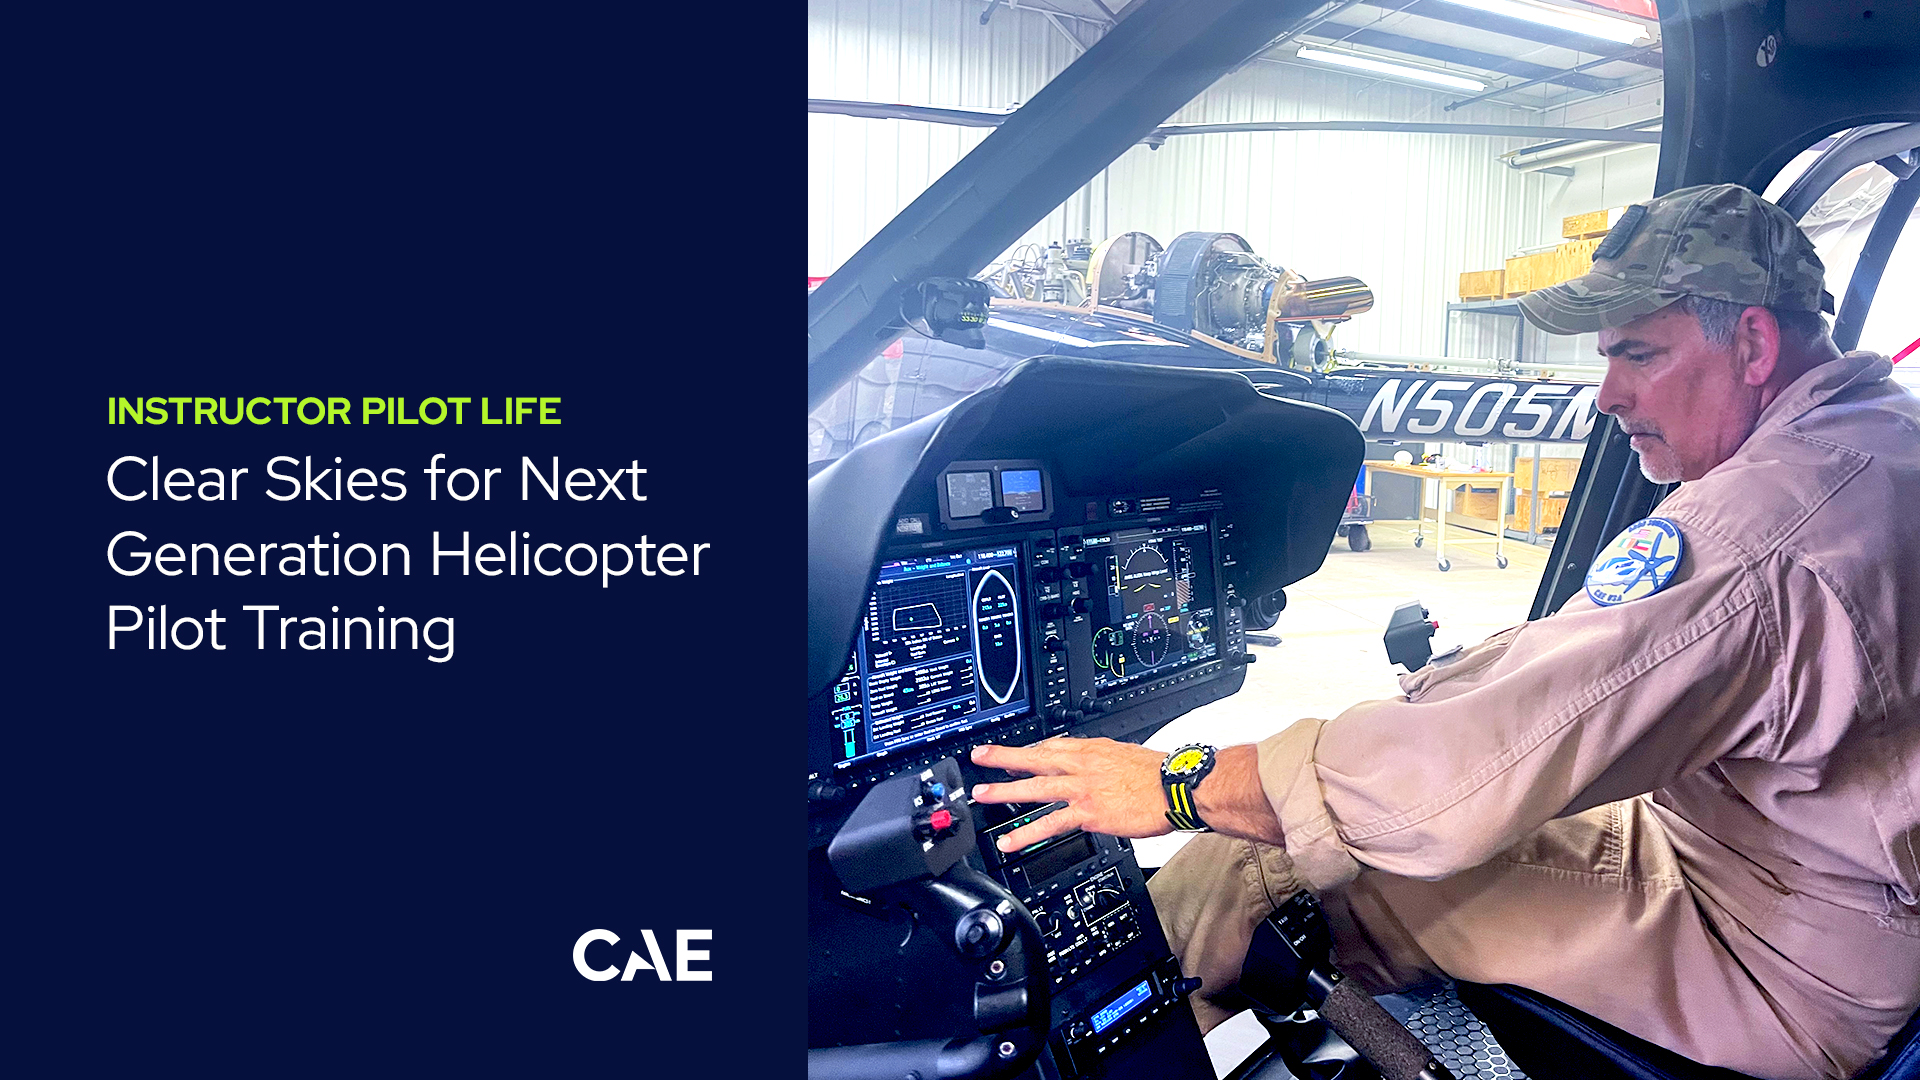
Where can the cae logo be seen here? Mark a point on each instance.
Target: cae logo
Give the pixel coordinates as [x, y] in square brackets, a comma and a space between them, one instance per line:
[658, 965]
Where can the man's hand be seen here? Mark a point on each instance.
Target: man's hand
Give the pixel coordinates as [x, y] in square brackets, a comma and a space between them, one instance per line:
[1114, 788]
[1109, 787]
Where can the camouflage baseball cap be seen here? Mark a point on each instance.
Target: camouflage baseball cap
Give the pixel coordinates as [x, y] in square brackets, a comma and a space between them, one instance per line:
[1719, 241]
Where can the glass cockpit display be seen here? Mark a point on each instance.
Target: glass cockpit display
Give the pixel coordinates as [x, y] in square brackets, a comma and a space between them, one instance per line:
[1157, 612]
[940, 651]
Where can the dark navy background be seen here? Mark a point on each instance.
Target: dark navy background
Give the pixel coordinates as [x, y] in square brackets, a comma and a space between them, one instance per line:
[265, 861]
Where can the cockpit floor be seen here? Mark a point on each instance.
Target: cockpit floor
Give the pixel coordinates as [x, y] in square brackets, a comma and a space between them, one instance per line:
[1433, 1013]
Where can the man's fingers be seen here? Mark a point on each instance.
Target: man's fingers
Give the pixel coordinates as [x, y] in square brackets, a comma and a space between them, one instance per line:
[1038, 789]
[1024, 759]
[1063, 820]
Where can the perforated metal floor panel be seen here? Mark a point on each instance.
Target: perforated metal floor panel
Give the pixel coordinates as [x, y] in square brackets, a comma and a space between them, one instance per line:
[1433, 1013]
[1463, 1044]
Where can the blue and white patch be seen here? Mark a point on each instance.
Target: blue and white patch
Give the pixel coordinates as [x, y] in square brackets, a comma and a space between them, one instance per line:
[1638, 563]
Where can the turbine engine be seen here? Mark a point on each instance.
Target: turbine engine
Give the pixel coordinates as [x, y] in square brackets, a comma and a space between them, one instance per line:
[1212, 284]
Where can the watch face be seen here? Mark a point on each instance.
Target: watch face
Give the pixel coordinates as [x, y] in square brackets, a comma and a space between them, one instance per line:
[1186, 761]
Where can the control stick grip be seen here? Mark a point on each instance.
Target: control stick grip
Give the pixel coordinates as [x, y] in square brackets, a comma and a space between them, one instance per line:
[1374, 1032]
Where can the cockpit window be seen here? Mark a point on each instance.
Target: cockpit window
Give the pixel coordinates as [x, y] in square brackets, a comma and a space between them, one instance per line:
[1839, 222]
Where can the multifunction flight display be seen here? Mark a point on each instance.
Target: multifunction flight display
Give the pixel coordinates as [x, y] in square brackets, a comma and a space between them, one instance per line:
[1157, 613]
[940, 652]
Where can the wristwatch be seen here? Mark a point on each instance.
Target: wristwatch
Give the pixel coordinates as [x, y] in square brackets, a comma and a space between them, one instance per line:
[1180, 774]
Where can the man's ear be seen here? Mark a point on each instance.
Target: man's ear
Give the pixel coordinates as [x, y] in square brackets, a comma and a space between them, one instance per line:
[1756, 346]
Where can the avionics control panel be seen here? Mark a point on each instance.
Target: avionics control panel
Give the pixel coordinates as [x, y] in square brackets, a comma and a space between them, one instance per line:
[1011, 608]
[1060, 555]
[1015, 635]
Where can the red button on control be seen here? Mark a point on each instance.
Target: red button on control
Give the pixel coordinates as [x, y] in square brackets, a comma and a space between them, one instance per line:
[941, 820]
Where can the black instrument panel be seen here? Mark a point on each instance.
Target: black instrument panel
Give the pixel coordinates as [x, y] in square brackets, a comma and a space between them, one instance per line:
[1066, 552]
[1016, 634]
[1011, 633]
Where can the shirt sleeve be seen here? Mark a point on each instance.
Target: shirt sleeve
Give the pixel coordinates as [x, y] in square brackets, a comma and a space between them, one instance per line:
[1545, 719]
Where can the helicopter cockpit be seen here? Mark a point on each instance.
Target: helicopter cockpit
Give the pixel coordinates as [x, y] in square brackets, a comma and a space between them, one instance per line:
[1072, 550]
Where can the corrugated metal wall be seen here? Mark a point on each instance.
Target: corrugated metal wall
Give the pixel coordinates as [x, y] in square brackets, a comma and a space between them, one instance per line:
[1405, 213]
[860, 172]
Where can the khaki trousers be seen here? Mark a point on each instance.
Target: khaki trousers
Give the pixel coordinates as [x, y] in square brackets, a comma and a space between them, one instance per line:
[1592, 910]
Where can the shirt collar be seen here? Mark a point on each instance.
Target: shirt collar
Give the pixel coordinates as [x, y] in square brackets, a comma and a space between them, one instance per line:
[1820, 385]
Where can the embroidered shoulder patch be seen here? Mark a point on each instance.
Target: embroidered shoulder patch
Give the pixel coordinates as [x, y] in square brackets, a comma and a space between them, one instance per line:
[1638, 563]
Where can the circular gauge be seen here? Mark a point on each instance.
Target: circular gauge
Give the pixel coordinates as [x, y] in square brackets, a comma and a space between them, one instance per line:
[1107, 644]
[1197, 636]
[1151, 639]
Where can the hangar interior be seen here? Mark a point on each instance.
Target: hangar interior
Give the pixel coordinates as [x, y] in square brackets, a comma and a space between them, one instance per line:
[901, 90]
[1411, 213]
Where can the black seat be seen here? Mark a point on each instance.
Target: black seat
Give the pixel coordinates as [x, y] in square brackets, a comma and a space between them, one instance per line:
[1551, 1040]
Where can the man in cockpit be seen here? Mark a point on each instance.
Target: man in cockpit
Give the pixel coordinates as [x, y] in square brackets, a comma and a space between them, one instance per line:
[1689, 802]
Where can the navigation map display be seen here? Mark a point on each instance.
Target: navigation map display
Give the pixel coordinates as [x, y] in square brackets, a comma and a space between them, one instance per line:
[1154, 612]
[940, 652]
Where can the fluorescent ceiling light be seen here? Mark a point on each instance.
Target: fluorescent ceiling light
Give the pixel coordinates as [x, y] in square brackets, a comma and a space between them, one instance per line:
[1579, 22]
[1398, 71]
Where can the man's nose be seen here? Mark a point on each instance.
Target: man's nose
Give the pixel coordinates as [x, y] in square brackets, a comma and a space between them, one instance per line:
[1613, 396]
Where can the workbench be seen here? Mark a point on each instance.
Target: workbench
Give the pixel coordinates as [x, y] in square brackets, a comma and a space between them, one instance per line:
[1448, 477]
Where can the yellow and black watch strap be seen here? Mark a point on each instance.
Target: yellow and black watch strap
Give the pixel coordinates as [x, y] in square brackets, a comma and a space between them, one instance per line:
[1179, 775]
[1180, 810]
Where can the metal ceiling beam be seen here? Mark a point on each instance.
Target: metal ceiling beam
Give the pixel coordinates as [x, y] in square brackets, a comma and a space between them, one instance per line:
[1078, 45]
[1041, 9]
[1633, 132]
[982, 118]
[1103, 22]
[1500, 24]
[1491, 94]
[879, 110]
[1453, 54]
[1511, 131]
[1299, 28]
[1163, 54]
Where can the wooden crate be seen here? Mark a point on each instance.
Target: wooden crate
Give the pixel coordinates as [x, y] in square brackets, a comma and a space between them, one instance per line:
[1483, 284]
[1515, 277]
[1581, 226]
[1556, 473]
[1552, 508]
[1477, 502]
[1573, 259]
[1526, 273]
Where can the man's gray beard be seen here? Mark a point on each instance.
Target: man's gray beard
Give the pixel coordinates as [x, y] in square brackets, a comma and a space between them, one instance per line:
[1647, 470]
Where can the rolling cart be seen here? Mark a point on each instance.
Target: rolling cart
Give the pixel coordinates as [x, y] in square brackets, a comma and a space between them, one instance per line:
[1446, 477]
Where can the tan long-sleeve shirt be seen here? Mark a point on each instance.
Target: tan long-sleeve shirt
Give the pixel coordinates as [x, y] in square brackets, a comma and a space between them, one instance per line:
[1767, 700]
